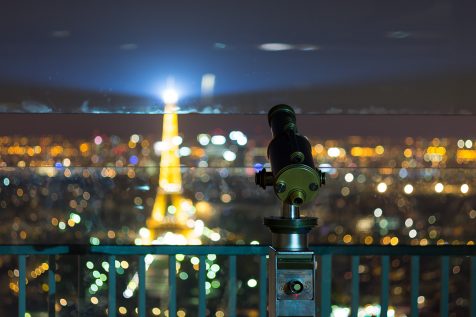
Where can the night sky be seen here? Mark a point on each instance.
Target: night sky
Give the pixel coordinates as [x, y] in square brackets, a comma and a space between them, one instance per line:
[349, 56]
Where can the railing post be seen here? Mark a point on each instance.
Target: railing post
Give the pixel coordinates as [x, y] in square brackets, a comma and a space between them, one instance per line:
[415, 285]
[262, 286]
[201, 287]
[22, 285]
[232, 286]
[473, 286]
[51, 286]
[445, 267]
[355, 286]
[326, 280]
[172, 286]
[385, 283]
[142, 306]
[112, 287]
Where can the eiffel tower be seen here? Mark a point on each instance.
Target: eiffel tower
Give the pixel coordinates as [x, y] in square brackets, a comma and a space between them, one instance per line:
[171, 210]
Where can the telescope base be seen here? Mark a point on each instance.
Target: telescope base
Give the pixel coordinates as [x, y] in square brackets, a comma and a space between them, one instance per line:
[291, 283]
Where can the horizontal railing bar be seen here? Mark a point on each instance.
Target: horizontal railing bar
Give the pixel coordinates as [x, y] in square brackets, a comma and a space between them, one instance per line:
[35, 249]
[181, 249]
[430, 250]
[362, 250]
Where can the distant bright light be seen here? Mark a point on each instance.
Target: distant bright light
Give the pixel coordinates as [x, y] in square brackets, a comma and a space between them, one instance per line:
[135, 138]
[215, 236]
[203, 139]
[98, 140]
[403, 173]
[333, 152]
[6, 181]
[160, 147]
[128, 293]
[199, 226]
[218, 139]
[170, 96]
[464, 188]
[439, 187]
[408, 189]
[378, 212]
[177, 140]
[234, 135]
[239, 137]
[144, 233]
[275, 47]
[382, 187]
[408, 222]
[133, 160]
[468, 144]
[252, 282]
[229, 156]
[242, 140]
[67, 162]
[349, 177]
[185, 151]
[208, 84]
[412, 234]
[340, 311]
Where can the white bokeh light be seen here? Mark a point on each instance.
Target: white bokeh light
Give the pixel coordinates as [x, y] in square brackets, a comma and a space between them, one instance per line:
[170, 96]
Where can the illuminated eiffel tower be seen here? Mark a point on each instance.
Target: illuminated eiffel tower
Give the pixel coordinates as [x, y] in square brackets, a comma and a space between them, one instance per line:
[167, 223]
[171, 210]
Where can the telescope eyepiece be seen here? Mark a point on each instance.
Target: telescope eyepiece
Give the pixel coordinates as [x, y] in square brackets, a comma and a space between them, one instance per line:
[282, 118]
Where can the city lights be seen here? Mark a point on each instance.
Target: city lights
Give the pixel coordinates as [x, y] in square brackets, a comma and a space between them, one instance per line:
[129, 164]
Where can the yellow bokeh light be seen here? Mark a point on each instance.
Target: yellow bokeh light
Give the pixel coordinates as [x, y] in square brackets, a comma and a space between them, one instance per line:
[347, 238]
[394, 241]
[379, 149]
[408, 153]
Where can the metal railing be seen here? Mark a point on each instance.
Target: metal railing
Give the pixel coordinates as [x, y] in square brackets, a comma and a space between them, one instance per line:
[324, 254]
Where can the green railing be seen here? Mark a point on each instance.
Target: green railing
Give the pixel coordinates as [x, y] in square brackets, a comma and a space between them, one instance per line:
[324, 254]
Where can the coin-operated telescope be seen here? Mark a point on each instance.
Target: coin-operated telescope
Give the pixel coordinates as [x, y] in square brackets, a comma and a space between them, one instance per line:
[295, 179]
